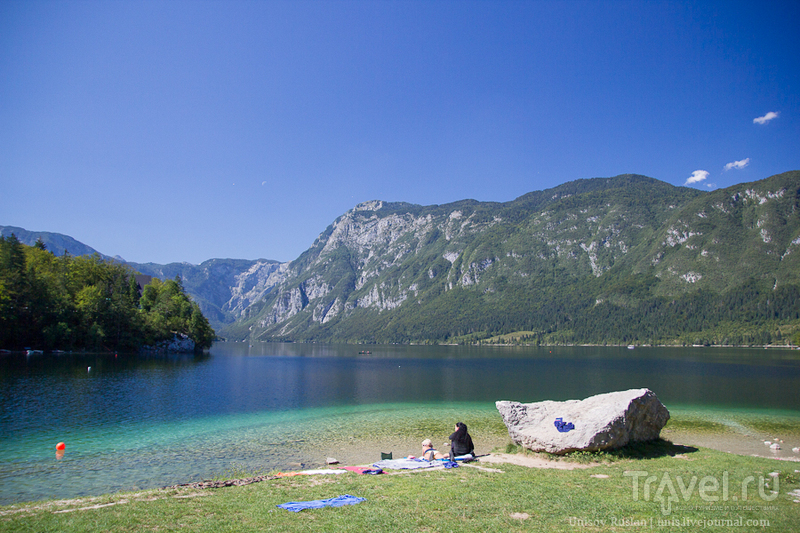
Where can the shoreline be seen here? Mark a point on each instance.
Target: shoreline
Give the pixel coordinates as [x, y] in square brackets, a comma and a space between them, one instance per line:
[490, 452]
[752, 445]
[254, 446]
[725, 442]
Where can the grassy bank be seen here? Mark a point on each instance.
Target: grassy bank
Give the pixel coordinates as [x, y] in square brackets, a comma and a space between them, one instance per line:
[650, 487]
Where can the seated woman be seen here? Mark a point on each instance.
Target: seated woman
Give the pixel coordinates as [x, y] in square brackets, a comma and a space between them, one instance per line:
[429, 453]
[461, 443]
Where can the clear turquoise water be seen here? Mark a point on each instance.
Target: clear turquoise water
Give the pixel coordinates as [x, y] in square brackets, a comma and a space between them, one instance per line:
[132, 422]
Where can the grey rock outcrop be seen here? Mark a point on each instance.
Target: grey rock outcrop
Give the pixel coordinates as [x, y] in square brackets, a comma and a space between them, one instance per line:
[601, 422]
[178, 344]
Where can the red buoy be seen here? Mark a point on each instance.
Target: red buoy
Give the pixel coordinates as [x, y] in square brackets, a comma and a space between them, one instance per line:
[61, 446]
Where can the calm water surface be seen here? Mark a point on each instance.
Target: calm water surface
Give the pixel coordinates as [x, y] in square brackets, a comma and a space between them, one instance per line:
[133, 422]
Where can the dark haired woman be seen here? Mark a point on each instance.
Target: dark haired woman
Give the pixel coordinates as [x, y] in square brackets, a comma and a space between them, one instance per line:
[461, 442]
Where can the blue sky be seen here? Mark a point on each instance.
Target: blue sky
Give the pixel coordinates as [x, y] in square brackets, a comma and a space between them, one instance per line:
[184, 131]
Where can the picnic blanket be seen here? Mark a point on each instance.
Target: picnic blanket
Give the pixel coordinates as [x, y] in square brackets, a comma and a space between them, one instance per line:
[402, 464]
[338, 501]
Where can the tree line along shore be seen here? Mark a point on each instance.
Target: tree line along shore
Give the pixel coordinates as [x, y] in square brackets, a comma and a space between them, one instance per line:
[50, 302]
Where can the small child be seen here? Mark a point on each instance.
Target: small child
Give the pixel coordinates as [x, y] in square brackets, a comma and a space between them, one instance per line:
[429, 453]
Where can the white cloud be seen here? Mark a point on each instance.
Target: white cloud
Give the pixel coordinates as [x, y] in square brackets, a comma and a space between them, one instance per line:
[263, 183]
[766, 118]
[738, 164]
[696, 177]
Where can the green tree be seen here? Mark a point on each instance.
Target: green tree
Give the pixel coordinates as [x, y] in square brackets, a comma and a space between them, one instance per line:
[169, 310]
[87, 302]
[14, 312]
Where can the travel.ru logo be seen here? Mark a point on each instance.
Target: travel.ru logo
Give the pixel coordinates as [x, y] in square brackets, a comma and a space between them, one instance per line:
[668, 490]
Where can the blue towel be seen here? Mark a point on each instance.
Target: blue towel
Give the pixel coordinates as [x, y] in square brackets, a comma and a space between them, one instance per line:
[447, 463]
[562, 426]
[338, 501]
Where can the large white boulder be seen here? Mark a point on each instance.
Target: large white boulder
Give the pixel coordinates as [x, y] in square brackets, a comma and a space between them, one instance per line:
[601, 422]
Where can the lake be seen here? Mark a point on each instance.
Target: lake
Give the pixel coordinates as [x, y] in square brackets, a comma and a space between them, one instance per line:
[133, 422]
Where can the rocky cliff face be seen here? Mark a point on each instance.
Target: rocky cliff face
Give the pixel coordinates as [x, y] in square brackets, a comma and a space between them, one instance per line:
[379, 256]
[380, 261]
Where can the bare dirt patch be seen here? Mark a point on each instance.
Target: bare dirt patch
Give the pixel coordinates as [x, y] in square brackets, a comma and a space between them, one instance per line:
[532, 461]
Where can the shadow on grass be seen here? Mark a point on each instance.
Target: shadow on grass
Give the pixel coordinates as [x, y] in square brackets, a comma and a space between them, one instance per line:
[650, 450]
[639, 450]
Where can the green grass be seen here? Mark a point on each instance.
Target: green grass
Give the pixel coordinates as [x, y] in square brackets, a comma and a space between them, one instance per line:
[521, 337]
[462, 499]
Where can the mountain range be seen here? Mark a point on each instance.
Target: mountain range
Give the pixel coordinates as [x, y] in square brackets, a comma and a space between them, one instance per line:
[627, 259]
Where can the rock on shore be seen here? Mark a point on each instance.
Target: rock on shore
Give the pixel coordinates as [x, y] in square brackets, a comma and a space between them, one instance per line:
[179, 343]
[601, 422]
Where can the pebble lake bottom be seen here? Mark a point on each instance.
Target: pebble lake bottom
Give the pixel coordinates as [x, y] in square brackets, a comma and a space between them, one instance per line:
[140, 423]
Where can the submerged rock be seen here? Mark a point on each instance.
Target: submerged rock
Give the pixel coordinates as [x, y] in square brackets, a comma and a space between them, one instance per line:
[601, 422]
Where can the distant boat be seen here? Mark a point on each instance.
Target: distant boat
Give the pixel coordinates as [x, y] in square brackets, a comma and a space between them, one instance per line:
[365, 352]
[33, 352]
[631, 346]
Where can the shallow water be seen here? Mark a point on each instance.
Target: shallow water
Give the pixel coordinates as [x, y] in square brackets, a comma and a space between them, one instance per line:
[132, 422]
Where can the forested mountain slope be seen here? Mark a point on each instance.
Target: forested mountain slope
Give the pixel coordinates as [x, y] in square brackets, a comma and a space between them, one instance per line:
[222, 288]
[623, 259]
[55, 242]
[628, 259]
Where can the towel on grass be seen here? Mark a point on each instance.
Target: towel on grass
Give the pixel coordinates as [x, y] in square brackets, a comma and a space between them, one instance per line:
[311, 472]
[338, 501]
[363, 469]
[402, 464]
